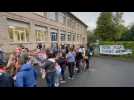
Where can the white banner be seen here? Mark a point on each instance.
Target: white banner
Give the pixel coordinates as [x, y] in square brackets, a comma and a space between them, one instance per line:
[113, 50]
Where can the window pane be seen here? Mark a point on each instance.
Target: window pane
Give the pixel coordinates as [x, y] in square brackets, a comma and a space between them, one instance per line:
[69, 36]
[53, 36]
[62, 36]
[40, 35]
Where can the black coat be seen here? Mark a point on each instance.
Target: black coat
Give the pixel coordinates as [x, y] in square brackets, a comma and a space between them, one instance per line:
[49, 66]
[79, 56]
[6, 80]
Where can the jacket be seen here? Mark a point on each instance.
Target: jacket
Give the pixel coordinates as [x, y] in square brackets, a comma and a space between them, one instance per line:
[27, 76]
[62, 61]
[49, 66]
[79, 56]
[6, 80]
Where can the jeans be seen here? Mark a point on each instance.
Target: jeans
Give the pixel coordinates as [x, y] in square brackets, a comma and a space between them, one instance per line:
[71, 68]
[57, 77]
[63, 71]
[50, 78]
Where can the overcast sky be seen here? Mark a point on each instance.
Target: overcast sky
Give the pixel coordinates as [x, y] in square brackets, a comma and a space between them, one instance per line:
[90, 18]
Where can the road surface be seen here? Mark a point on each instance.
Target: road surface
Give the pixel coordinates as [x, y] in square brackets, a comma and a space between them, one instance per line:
[107, 73]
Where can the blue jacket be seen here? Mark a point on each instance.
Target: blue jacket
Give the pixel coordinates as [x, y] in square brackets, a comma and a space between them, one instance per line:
[27, 76]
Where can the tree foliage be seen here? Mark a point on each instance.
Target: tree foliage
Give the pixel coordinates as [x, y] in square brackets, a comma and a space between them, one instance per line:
[110, 26]
[129, 36]
[91, 37]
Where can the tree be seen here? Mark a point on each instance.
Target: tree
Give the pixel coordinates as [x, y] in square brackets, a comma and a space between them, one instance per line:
[118, 25]
[129, 36]
[105, 28]
[91, 38]
[117, 18]
[110, 26]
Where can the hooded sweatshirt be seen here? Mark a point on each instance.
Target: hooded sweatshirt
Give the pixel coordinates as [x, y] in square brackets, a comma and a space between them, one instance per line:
[26, 77]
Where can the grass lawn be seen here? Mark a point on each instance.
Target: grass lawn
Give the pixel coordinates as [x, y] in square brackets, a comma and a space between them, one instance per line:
[122, 58]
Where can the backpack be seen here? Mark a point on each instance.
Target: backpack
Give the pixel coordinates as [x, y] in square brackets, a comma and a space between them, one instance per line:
[49, 66]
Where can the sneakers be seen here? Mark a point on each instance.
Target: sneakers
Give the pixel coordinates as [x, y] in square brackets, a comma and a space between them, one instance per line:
[57, 84]
[62, 81]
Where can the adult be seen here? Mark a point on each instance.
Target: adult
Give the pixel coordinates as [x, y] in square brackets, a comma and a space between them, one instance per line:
[71, 62]
[26, 76]
[24, 55]
[5, 79]
[63, 49]
[50, 70]
[79, 58]
[39, 46]
[11, 64]
[19, 49]
[90, 56]
[62, 62]
[67, 49]
[44, 48]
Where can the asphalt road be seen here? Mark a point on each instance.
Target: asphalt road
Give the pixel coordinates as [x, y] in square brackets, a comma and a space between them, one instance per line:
[107, 73]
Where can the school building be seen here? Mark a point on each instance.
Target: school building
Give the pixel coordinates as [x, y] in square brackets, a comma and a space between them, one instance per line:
[49, 28]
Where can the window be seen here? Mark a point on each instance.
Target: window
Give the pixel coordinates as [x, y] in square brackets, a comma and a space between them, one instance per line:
[61, 17]
[18, 30]
[40, 35]
[69, 37]
[18, 34]
[73, 37]
[39, 13]
[52, 15]
[53, 36]
[63, 36]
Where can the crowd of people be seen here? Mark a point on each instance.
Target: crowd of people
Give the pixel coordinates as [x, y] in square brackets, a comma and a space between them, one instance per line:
[20, 68]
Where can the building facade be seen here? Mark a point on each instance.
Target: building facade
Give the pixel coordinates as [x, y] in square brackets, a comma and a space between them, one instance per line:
[49, 28]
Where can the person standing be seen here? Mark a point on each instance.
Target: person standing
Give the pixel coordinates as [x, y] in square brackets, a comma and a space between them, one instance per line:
[71, 62]
[62, 62]
[50, 70]
[90, 57]
[79, 58]
[26, 76]
[5, 79]
[39, 46]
